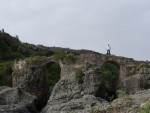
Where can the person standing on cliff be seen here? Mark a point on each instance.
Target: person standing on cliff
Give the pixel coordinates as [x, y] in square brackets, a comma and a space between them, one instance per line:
[108, 49]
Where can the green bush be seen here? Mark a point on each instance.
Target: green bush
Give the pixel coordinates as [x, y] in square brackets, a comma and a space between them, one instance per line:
[54, 74]
[110, 71]
[59, 56]
[7, 53]
[5, 68]
[144, 109]
[34, 59]
[79, 75]
[70, 58]
[4, 47]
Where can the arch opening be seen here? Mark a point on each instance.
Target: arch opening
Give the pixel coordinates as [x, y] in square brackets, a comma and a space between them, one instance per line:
[52, 76]
[110, 74]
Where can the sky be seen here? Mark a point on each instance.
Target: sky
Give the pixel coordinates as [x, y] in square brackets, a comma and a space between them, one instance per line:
[81, 24]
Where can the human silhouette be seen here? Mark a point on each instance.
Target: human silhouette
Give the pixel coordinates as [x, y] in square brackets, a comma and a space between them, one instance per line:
[108, 49]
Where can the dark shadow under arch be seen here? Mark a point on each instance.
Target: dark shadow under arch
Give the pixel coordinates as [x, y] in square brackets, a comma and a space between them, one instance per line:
[52, 75]
[110, 72]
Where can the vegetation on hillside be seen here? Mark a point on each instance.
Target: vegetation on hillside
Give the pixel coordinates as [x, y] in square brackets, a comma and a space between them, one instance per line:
[69, 57]
[35, 59]
[11, 48]
[5, 73]
[144, 109]
[8, 52]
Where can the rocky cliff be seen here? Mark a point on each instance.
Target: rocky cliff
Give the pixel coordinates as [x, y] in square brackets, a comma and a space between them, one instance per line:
[82, 87]
[57, 80]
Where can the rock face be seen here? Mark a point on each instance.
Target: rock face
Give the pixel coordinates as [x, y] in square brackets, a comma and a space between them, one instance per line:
[130, 103]
[136, 83]
[32, 78]
[70, 95]
[82, 87]
[13, 100]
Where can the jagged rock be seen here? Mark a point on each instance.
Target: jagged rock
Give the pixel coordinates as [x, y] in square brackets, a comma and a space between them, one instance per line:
[13, 100]
[32, 78]
[70, 95]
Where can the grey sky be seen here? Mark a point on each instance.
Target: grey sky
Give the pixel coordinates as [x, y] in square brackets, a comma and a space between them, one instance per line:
[81, 24]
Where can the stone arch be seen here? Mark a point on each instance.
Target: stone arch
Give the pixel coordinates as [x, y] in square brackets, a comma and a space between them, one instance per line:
[33, 78]
[108, 88]
[50, 80]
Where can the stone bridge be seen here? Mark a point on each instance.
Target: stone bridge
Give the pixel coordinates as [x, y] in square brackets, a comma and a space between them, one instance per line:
[133, 76]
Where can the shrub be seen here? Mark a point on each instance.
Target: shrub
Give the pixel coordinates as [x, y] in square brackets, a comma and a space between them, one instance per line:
[70, 58]
[4, 47]
[34, 59]
[5, 68]
[79, 75]
[7, 52]
[59, 56]
[110, 71]
[53, 74]
[144, 109]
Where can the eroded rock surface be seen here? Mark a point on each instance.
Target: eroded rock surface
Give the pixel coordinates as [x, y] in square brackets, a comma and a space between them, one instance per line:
[130, 103]
[32, 78]
[86, 92]
[68, 94]
[13, 100]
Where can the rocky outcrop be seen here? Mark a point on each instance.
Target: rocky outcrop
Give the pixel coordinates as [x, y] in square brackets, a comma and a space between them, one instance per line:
[13, 100]
[82, 87]
[130, 103]
[78, 105]
[69, 95]
[32, 78]
[69, 91]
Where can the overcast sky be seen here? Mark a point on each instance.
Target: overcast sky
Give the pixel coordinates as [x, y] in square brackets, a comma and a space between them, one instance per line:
[81, 24]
